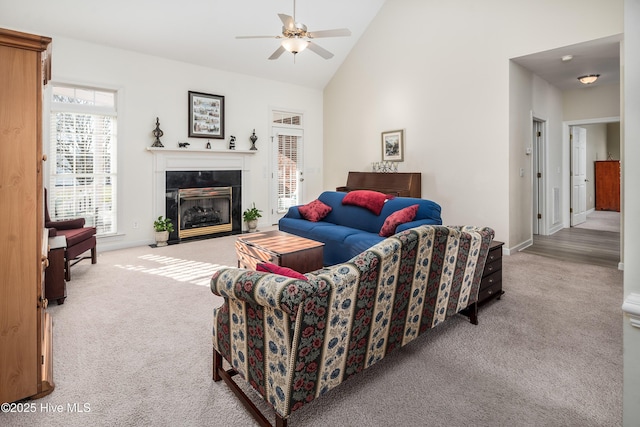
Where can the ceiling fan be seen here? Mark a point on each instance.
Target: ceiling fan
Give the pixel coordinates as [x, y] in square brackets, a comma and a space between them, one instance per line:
[296, 38]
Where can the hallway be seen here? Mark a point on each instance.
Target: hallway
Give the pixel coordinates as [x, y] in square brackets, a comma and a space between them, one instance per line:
[594, 242]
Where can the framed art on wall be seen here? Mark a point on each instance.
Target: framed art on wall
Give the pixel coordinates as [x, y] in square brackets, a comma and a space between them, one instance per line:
[393, 146]
[206, 115]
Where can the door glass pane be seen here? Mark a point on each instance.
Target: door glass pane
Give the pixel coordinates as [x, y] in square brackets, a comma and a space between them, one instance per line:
[287, 172]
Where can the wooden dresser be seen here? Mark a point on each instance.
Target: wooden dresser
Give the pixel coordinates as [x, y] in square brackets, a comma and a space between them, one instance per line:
[607, 185]
[401, 184]
[491, 285]
[25, 325]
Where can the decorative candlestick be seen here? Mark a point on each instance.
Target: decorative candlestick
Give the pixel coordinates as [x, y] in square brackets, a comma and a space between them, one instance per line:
[157, 133]
[253, 138]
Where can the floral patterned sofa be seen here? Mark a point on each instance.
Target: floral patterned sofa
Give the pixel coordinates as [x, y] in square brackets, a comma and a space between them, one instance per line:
[294, 340]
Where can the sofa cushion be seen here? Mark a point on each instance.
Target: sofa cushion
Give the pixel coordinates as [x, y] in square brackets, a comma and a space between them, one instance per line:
[314, 211]
[267, 267]
[350, 215]
[398, 217]
[77, 235]
[368, 199]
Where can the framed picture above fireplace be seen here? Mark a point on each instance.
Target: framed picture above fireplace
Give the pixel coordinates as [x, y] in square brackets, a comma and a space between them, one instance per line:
[206, 115]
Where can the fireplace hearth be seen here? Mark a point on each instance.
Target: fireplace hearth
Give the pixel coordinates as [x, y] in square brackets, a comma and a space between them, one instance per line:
[203, 203]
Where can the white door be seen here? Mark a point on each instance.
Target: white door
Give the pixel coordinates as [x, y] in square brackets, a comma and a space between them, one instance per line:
[578, 175]
[287, 177]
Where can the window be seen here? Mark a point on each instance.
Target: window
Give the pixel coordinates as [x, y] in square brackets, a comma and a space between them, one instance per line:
[83, 152]
[288, 148]
[288, 169]
[281, 117]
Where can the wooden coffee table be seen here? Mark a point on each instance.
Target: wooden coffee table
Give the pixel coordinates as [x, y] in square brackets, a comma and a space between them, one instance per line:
[280, 248]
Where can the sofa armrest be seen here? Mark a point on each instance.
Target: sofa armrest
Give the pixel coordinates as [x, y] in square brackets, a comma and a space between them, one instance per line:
[293, 213]
[265, 289]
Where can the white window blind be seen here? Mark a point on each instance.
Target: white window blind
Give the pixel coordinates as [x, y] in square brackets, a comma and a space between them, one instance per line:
[83, 151]
[287, 171]
[281, 117]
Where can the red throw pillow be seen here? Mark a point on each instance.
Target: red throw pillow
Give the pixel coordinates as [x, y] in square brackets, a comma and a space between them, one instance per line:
[314, 211]
[368, 199]
[267, 267]
[398, 217]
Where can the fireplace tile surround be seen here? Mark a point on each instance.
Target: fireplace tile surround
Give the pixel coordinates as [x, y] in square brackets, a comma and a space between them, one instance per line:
[198, 169]
[202, 179]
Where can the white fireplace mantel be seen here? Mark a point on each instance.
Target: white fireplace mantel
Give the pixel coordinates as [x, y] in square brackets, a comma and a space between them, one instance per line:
[198, 150]
[186, 159]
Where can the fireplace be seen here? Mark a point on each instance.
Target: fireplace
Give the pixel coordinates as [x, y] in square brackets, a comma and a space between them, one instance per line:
[203, 211]
[203, 203]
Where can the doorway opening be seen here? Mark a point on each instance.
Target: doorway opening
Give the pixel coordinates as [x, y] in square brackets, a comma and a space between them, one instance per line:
[602, 141]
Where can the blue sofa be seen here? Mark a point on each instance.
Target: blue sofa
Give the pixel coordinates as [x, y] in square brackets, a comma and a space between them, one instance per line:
[349, 230]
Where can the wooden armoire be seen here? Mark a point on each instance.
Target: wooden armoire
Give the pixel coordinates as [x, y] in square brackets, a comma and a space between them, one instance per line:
[25, 325]
[607, 185]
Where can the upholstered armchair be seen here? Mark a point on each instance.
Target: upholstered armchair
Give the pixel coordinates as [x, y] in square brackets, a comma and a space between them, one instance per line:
[80, 239]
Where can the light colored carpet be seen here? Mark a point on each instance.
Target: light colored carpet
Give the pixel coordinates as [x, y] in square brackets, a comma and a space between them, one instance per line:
[602, 220]
[133, 341]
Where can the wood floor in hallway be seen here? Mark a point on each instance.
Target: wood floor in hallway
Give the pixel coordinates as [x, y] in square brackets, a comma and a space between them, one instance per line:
[579, 245]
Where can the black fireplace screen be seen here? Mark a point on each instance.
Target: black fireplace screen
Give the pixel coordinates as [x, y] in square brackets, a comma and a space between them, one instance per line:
[204, 211]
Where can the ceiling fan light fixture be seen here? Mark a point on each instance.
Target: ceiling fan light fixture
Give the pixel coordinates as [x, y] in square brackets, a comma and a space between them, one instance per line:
[588, 79]
[295, 44]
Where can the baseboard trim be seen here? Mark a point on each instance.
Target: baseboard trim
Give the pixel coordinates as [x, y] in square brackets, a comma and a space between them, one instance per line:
[631, 307]
[555, 229]
[112, 243]
[518, 248]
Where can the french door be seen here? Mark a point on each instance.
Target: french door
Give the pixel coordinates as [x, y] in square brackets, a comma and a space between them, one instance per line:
[287, 176]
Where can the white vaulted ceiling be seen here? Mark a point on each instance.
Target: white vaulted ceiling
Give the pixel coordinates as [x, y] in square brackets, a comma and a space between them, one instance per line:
[202, 32]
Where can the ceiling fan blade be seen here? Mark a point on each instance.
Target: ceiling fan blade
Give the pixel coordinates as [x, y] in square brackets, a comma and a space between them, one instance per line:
[279, 51]
[320, 50]
[287, 21]
[340, 32]
[258, 37]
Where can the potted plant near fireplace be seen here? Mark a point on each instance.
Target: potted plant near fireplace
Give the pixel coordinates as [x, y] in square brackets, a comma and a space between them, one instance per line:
[251, 216]
[163, 227]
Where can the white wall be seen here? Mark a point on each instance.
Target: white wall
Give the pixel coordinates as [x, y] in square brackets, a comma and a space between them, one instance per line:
[631, 204]
[153, 87]
[520, 134]
[593, 102]
[440, 70]
[613, 140]
[545, 105]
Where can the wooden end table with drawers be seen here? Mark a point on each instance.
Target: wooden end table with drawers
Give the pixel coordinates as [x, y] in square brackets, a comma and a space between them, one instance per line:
[55, 285]
[491, 285]
[280, 248]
